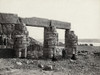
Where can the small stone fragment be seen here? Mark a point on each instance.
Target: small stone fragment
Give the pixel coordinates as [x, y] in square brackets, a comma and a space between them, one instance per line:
[19, 63]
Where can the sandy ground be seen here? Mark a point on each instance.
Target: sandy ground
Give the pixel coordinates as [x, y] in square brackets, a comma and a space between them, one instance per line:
[88, 64]
[84, 66]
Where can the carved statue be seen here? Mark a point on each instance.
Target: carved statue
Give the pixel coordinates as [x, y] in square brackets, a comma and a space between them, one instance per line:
[20, 40]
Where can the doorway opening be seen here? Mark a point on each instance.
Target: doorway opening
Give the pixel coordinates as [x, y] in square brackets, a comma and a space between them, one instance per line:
[36, 33]
[61, 37]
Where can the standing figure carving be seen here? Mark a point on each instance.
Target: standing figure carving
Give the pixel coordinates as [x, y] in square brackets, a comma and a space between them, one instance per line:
[20, 36]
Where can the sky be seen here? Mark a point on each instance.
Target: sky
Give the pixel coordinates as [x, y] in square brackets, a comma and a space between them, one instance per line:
[84, 15]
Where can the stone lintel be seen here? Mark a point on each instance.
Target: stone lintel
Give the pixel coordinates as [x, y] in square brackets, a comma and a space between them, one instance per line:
[38, 22]
[8, 18]
[60, 24]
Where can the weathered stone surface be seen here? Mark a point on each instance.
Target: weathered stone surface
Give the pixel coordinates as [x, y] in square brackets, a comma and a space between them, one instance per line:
[0, 29]
[20, 36]
[6, 34]
[50, 42]
[48, 67]
[13, 27]
[70, 43]
[60, 24]
[22, 29]
[8, 28]
[38, 22]
[8, 18]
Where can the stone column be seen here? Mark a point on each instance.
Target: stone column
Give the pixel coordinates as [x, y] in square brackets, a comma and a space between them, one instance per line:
[50, 41]
[68, 48]
[70, 43]
[20, 36]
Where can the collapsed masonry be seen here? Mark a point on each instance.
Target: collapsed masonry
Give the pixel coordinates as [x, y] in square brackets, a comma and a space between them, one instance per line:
[17, 31]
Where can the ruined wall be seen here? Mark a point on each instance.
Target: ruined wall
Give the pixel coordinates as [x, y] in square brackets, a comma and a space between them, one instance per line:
[6, 41]
[13, 30]
[6, 34]
[60, 24]
[7, 24]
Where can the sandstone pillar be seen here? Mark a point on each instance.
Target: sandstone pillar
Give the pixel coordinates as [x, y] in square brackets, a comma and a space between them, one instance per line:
[20, 36]
[50, 42]
[67, 47]
[70, 43]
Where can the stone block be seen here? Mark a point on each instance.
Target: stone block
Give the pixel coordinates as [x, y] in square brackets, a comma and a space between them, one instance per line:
[38, 22]
[40, 66]
[48, 67]
[60, 24]
[7, 28]
[8, 18]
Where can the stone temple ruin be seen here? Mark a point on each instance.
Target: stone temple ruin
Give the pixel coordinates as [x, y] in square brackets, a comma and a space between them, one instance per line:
[13, 28]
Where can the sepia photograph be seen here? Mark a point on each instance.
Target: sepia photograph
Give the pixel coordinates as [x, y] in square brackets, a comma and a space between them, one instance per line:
[49, 37]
